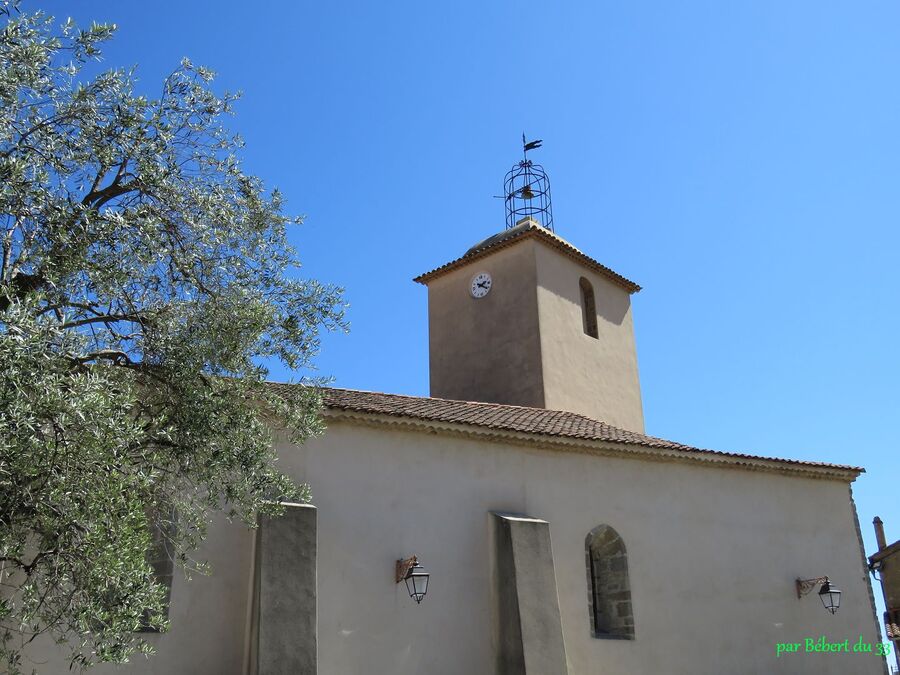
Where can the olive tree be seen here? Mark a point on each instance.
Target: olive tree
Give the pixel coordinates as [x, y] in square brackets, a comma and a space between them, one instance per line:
[145, 282]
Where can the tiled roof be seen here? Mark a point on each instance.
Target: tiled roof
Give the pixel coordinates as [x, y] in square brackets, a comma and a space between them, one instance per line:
[887, 552]
[524, 230]
[892, 624]
[510, 418]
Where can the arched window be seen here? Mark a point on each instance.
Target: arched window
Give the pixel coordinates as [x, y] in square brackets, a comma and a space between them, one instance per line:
[609, 598]
[588, 308]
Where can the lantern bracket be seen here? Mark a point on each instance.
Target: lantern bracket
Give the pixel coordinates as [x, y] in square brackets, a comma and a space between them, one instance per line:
[404, 567]
[806, 586]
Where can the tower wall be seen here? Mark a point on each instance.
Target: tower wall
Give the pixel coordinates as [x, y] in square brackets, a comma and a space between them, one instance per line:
[596, 377]
[488, 349]
[525, 342]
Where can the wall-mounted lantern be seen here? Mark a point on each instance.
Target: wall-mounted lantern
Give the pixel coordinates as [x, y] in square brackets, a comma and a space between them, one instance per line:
[828, 594]
[415, 576]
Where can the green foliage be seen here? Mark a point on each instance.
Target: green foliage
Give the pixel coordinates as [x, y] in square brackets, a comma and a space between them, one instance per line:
[144, 279]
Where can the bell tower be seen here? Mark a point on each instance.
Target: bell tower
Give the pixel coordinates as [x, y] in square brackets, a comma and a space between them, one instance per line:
[525, 318]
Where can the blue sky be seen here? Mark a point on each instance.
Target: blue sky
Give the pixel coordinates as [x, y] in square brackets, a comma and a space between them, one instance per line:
[738, 160]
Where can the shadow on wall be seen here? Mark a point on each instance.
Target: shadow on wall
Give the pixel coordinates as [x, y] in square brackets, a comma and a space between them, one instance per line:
[613, 306]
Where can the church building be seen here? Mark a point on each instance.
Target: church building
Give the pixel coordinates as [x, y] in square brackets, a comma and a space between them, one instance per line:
[518, 521]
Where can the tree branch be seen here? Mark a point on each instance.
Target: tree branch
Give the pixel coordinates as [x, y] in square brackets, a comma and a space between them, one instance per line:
[116, 356]
[104, 318]
[97, 198]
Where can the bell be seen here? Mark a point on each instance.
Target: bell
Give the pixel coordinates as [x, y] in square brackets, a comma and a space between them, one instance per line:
[526, 193]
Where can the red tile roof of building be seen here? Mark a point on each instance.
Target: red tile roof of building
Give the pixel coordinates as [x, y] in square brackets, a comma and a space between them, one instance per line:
[510, 418]
[525, 230]
[892, 624]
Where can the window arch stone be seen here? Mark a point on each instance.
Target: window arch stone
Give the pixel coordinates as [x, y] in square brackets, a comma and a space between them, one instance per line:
[609, 592]
[588, 308]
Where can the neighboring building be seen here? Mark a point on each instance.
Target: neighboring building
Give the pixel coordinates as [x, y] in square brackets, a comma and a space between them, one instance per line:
[885, 564]
[559, 538]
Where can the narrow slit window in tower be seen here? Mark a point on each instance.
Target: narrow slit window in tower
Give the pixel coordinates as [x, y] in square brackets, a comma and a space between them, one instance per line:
[588, 308]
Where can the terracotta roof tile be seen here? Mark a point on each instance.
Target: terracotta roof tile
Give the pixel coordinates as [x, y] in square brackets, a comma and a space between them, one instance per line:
[538, 421]
[527, 229]
[892, 624]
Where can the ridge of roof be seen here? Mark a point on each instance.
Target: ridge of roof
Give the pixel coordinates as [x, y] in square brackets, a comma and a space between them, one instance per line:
[557, 424]
[524, 230]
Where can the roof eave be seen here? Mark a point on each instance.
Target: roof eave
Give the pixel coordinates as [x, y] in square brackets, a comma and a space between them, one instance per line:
[887, 552]
[839, 472]
[541, 235]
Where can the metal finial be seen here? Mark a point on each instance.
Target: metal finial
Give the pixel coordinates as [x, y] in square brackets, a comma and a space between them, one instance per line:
[526, 191]
[530, 145]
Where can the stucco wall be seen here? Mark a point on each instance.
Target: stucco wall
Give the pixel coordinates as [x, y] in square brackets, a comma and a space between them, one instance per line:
[712, 554]
[487, 349]
[524, 343]
[597, 377]
[209, 617]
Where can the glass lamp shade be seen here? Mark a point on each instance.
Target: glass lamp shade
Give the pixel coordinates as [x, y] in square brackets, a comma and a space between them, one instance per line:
[830, 596]
[417, 582]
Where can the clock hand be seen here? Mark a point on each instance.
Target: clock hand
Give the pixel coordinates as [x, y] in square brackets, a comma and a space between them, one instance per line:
[483, 284]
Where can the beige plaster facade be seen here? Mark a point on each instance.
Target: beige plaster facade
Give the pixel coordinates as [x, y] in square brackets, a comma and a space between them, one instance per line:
[596, 377]
[713, 552]
[714, 542]
[209, 617]
[713, 555]
[524, 342]
[488, 349]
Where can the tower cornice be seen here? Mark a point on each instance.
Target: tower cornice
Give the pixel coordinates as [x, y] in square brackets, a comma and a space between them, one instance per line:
[527, 229]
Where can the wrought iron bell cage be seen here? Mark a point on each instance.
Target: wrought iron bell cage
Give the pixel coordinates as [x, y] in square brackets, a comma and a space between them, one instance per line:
[527, 195]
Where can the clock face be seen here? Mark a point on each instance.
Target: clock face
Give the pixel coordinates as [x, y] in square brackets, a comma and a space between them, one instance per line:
[481, 285]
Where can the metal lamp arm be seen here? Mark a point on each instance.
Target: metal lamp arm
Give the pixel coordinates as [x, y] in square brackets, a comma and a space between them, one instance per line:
[806, 586]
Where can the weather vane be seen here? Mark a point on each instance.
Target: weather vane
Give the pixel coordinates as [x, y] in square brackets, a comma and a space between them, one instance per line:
[530, 145]
[526, 191]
